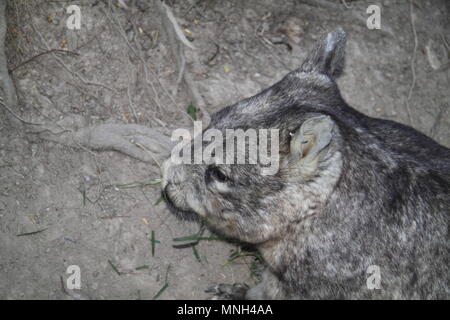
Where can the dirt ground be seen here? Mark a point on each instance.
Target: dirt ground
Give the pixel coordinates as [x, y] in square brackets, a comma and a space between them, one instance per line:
[120, 70]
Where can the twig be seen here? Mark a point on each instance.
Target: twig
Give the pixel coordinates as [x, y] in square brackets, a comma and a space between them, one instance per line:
[146, 150]
[163, 87]
[176, 27]
[16, 116]
[41, 54]
[193, 5]
[346, 5]
[65, 67]
[144, 65]
[171, 27]
[210, 60]
[130, 101]
[413, 57]
[180, 73]
[435, 127]
[147, 71]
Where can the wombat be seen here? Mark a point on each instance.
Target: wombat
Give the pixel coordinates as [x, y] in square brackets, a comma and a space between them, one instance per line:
[358, 208]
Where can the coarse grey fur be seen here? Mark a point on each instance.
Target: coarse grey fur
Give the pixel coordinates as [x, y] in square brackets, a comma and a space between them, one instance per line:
[352, 191]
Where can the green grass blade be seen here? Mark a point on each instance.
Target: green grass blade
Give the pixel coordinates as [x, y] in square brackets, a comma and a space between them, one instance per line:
[192, 111]
[114, 268]
[142, 267]
[197, 256]
[153, 242]
[196, 237]
[161, 198]
[160, 291]
[166, 284]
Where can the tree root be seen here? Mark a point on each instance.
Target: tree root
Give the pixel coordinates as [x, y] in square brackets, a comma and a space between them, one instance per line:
[137, 141]
[8, 90]
[151, 145]
[172, 28]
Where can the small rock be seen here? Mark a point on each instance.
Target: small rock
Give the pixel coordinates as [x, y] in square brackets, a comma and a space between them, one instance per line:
[433, 51]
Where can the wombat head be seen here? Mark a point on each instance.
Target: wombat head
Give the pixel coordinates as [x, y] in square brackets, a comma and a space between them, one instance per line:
[241, 200]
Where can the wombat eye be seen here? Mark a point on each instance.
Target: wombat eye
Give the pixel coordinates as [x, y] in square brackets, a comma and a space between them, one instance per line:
[214, 173]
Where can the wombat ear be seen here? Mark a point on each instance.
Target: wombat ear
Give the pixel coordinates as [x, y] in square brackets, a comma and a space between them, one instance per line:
[328, 56]
[314, 135]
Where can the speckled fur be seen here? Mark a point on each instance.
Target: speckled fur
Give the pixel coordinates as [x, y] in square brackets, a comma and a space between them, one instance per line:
[378, 194]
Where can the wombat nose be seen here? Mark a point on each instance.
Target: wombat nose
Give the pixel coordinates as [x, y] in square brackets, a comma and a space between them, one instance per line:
[166, 196]
[171, 174]
[165, 173]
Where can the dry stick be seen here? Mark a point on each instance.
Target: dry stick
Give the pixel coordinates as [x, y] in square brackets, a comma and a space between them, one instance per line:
[77, 86]
[175, 25]
[130, 101]
[180, 73]
[41, 54]
[346, 5]
[16, 116]
[147, 79]
[191, 7]
[216, 53]
[173, 29]
[146, 71]
[328, 5]
[413, 57]
[122, 33]
[151, 154]
[101, 137]
[68, 70]
[46, 128]
[171, 96]
[65, 67]
[98, 138]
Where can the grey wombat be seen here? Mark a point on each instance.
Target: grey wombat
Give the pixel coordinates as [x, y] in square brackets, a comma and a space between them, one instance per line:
[351, 192]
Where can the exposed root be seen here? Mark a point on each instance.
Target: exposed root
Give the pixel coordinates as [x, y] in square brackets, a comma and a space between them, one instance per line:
[413, 58]
[151, 145]
[171, 26]
[7, 88]
[41, 54]
[137, 141]
[2, 103]
[175, 25]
